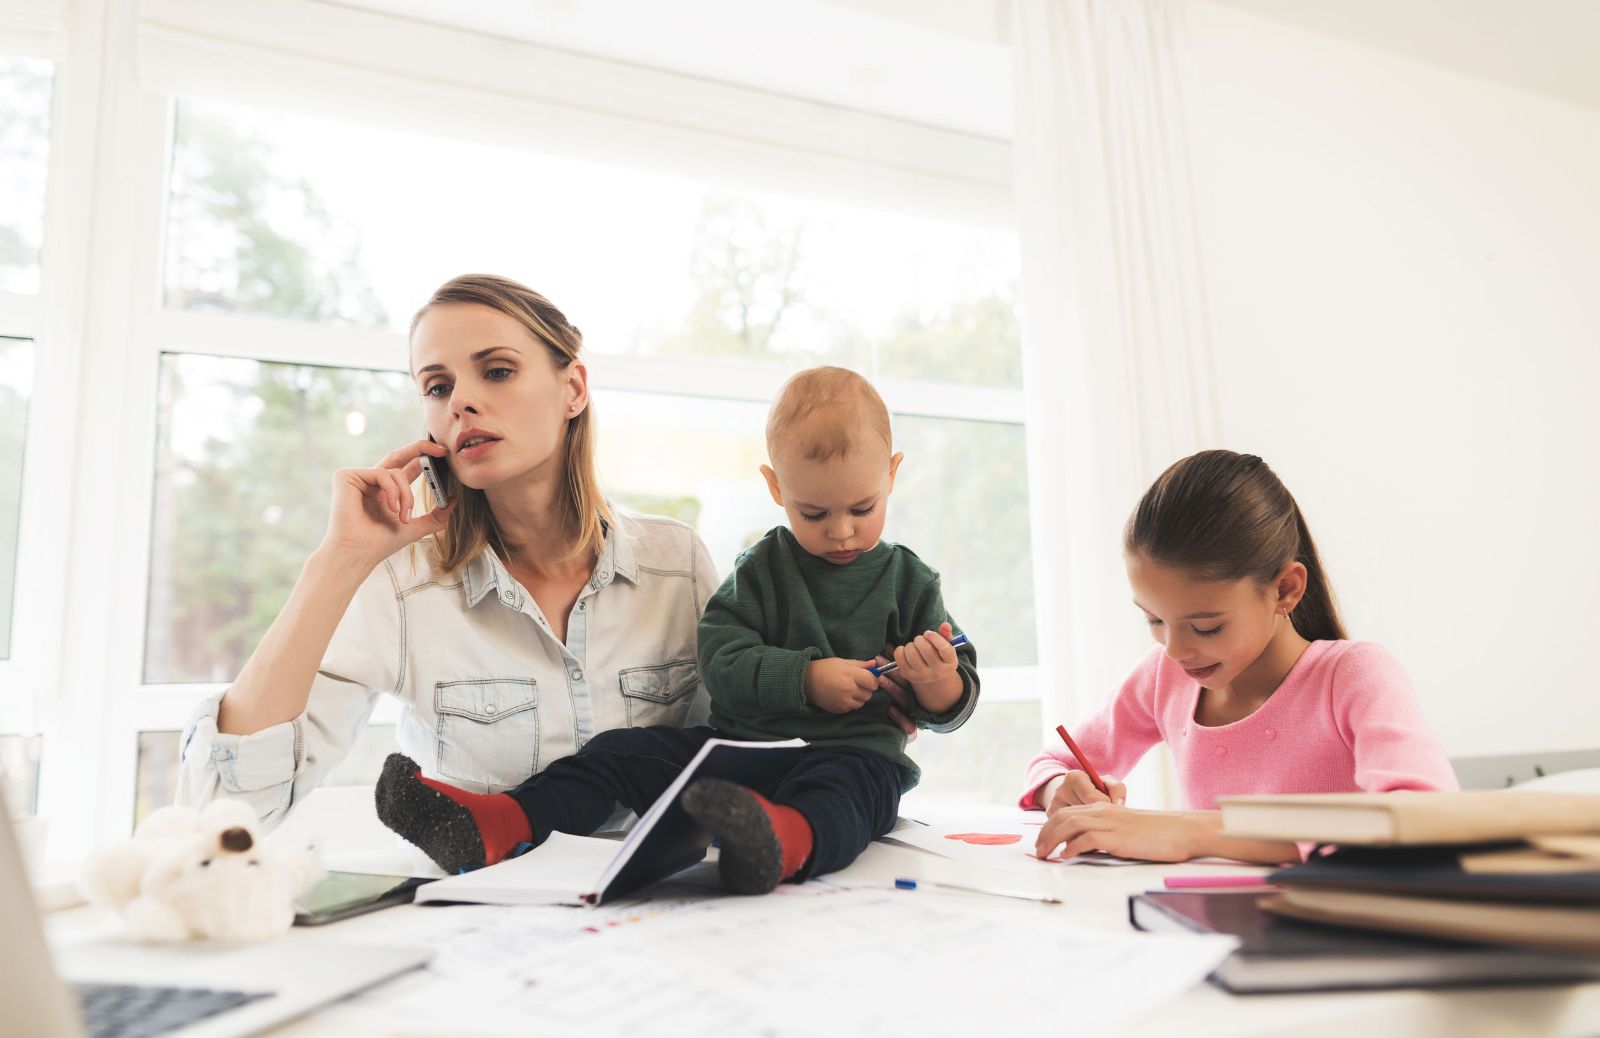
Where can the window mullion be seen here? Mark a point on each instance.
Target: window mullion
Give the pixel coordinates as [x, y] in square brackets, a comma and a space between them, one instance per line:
[113, 150]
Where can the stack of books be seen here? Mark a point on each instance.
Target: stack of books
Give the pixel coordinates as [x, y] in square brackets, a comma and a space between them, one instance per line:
[1507, 867]
[1278, 954]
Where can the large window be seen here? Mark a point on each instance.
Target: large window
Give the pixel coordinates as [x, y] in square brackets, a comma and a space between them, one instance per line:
[292, 217]
[295, 217]
[244, 463]
[26, 93]
[249, 337]
[24, 150]
[16, 381]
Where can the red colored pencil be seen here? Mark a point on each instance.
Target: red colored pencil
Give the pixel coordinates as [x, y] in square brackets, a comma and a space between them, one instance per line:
[1088, 769]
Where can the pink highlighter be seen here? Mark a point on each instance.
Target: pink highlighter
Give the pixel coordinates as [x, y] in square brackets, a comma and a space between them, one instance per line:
[1213, 882]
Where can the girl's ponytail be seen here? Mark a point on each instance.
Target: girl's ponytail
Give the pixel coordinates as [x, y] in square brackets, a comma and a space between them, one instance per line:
[1227, 516]
[1316, 618]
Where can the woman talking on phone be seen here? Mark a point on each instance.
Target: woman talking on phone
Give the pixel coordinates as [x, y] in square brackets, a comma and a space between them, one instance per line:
[513, 622]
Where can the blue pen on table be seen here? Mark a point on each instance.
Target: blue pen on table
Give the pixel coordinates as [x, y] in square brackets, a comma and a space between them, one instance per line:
[890, 667]
[904, 883]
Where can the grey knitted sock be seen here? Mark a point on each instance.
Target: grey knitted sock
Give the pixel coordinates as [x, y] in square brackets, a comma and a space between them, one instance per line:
[750, 857]
[444, 829]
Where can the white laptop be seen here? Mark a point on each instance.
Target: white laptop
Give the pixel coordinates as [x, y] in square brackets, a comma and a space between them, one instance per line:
[196, 990]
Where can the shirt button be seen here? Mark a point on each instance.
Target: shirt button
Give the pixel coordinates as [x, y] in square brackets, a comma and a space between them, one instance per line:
[489, 709]
[1271, 733]
[581, 605]
[1221, 751]
[577, 675]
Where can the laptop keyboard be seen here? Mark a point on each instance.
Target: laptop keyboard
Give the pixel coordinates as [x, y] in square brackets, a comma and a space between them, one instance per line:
[142, 1011]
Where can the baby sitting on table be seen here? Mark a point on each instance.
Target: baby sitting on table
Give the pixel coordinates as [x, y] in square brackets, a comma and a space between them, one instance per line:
[787, 648]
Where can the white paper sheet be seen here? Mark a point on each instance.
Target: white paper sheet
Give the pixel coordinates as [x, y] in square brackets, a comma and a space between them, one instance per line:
[1006, 846]
[813, 959]
[560, 870]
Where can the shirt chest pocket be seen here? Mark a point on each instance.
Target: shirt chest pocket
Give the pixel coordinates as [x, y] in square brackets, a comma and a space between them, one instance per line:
[661, 694]
[488, 729]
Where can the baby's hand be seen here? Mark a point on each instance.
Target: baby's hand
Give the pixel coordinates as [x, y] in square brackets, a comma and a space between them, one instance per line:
[927, 658]
[899, 694]
[839, 686]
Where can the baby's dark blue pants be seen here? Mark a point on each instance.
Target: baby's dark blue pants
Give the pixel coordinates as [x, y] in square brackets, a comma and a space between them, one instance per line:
[850, 796]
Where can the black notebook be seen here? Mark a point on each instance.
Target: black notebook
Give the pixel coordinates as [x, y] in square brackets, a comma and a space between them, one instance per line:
[1278, 955]
[1435, 872]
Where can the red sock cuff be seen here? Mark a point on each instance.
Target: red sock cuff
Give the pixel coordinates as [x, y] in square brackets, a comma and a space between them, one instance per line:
[794, 833]
[501, 821]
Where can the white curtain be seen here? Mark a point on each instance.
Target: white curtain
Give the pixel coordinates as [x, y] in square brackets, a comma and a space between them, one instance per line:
[1116, 345]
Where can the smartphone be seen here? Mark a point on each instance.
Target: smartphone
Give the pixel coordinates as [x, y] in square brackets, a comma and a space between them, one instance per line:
[431, 468]
[344, 894]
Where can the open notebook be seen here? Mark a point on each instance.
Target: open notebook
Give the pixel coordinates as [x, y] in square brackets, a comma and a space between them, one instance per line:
[569, 869]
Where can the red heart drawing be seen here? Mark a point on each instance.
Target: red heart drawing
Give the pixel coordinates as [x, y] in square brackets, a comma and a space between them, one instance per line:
[986, 839]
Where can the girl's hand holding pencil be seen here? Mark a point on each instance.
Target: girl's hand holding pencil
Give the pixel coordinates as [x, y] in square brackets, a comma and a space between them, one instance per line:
[1126, 832]
[1075, 788]
[1079, 787]
[1086, 814]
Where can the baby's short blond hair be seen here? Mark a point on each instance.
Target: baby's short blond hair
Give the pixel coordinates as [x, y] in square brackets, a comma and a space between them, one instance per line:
[825, 413]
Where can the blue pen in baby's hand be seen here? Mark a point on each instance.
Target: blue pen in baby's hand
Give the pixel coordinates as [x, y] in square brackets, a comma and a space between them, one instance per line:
[892, 666]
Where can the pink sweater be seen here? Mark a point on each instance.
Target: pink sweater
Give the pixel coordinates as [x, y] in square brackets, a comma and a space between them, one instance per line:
[1344, 720]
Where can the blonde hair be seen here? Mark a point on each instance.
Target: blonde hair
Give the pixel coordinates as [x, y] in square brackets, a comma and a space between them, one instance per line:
[821, 413]
[584, 512]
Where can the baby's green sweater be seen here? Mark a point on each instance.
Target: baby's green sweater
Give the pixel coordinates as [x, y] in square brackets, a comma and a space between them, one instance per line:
[783, 607]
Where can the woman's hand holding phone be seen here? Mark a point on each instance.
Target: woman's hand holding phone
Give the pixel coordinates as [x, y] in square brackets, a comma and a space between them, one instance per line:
[371, 514]
[370, 520]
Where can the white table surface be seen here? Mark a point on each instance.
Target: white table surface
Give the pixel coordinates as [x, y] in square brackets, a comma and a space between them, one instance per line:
[1094, 898]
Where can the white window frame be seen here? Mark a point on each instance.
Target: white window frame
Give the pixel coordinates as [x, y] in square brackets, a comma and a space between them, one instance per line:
[288, 54]
[29, 675]
[23, 670]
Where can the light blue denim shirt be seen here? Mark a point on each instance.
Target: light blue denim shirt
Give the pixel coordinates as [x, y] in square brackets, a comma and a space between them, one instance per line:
[488, 694]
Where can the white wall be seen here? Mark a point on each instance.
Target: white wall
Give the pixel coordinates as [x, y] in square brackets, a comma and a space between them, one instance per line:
[1405, 268]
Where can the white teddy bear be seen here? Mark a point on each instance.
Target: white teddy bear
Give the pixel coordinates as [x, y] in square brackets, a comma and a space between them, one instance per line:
[201, 874]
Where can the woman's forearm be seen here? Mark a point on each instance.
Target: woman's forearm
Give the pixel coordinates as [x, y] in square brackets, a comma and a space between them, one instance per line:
[275, 683]
[1207, 841]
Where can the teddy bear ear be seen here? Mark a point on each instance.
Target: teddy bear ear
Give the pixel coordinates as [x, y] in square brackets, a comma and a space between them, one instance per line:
[174, 820]
[226, 814]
